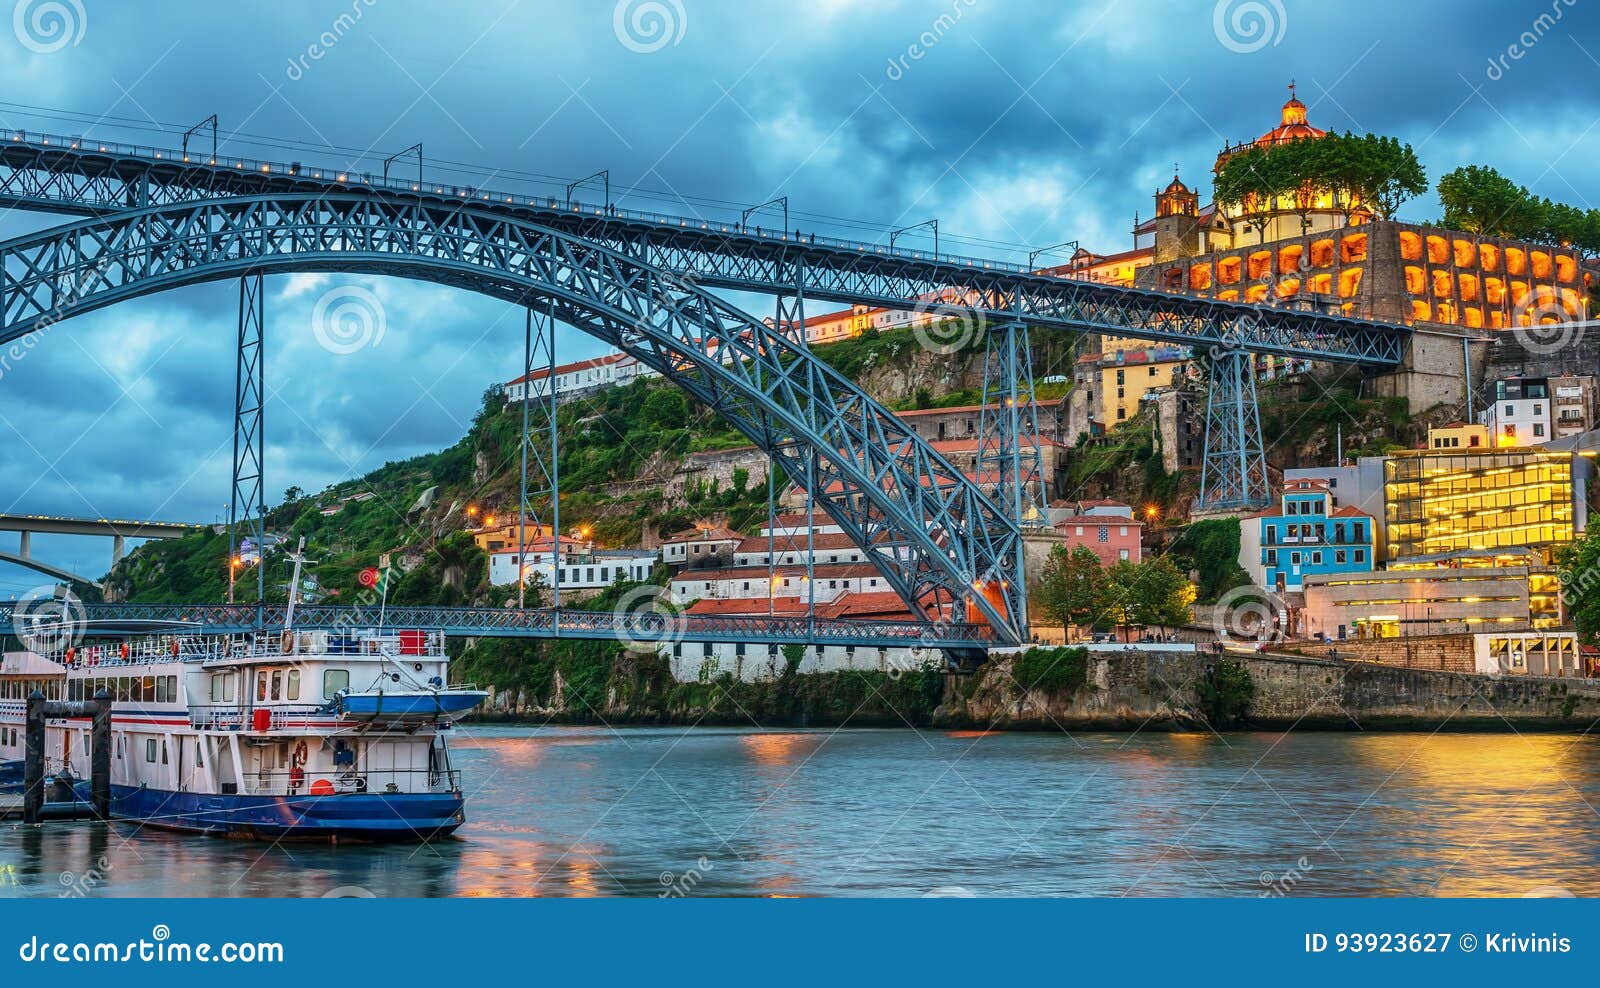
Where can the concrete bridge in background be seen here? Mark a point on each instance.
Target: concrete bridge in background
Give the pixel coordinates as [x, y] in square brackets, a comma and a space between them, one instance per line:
[119, 531]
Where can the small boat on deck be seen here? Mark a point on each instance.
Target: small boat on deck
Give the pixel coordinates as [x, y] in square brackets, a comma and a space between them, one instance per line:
[407, 706]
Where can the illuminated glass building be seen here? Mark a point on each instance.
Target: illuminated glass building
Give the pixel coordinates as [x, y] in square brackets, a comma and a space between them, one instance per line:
[1437, 502]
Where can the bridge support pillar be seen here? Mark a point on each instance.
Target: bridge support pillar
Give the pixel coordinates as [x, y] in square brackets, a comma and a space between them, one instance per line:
[1234, 474]
[539, 451]
[1008, 446]
[25, 546]
[117, 546]
[247, 502]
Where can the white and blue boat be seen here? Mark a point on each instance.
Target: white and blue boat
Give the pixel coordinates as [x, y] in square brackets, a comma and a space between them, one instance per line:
[294, 735]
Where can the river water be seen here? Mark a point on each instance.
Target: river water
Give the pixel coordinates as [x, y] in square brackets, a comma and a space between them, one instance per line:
[653, 811]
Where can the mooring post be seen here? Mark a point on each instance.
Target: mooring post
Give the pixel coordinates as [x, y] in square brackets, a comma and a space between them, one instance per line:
[33, 760]
[100, 765]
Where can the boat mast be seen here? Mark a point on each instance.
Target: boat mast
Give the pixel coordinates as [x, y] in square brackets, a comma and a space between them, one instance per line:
[299, 557]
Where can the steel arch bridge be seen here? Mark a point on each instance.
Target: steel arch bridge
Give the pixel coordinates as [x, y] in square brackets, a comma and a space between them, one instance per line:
[938, 540]
[73, 175]
[162, 218]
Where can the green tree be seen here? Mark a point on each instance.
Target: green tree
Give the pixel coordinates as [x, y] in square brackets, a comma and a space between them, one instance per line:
[1479, 199]
[1251, 181]
[1163, 594]
[1211, 549]
[1070, 590]
[1378, 172]
[665, 408]
[1580, 590]
[1122, 594]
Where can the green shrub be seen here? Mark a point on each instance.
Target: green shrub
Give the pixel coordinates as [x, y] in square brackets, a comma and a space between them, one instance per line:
[1053, 670]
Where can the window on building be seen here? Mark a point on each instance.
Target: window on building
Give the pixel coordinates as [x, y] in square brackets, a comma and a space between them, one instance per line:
[1538, 429]
[1338, 556]
[1316, 558]
[1104, 535]
[1272, 557]
[1361, 555]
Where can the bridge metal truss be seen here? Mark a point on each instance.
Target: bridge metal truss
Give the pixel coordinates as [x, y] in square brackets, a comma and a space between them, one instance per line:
[72, 175]
[642, 627]
[1010, 456]
[1234, 474]
[247, 504]
[539, 450]
[937, 539]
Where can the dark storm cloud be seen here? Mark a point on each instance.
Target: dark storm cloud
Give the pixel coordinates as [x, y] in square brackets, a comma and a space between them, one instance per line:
[1027, 123]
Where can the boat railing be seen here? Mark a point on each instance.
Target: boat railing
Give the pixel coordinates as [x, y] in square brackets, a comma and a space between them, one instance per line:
[349, 781]
[141, 652]
[233, 717]
[408, 644]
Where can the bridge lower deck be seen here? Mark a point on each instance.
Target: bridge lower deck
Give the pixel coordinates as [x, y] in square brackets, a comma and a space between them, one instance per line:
[645, 627]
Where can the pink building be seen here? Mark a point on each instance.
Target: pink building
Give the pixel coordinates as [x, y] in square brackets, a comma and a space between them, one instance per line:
[1107, 528]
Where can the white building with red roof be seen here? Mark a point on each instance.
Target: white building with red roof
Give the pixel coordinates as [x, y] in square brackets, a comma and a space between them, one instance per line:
[579, 378]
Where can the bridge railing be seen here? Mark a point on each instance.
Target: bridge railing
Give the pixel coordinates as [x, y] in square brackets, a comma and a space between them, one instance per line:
[646, 627]
[349, 178]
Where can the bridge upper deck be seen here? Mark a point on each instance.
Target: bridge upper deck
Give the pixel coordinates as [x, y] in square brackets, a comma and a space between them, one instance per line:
[77, 176]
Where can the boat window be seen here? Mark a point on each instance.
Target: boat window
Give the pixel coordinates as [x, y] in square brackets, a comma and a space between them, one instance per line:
[277, 684]
[216, 687]
[147, 689]
[149, 749]
[261, 686]
[294, 684]
[163, 753]
[163, 693]
[334, 680]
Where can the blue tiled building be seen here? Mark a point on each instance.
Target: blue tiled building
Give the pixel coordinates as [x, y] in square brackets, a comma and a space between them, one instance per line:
[1302, 535]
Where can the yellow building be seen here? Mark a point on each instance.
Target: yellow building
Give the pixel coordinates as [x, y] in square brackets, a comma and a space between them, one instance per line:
[1459, 435]
[1126, 376]
[1437, 502]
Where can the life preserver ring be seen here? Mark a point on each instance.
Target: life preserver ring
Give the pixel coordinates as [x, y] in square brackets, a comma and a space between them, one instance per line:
[299, 754]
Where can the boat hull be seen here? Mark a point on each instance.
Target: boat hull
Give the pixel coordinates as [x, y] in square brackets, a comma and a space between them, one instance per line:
[402, 817]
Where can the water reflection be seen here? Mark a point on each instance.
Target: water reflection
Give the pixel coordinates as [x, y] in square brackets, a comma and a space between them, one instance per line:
[647, 812]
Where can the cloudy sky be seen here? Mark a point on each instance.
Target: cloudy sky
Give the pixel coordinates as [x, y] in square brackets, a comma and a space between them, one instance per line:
[1016, 124]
